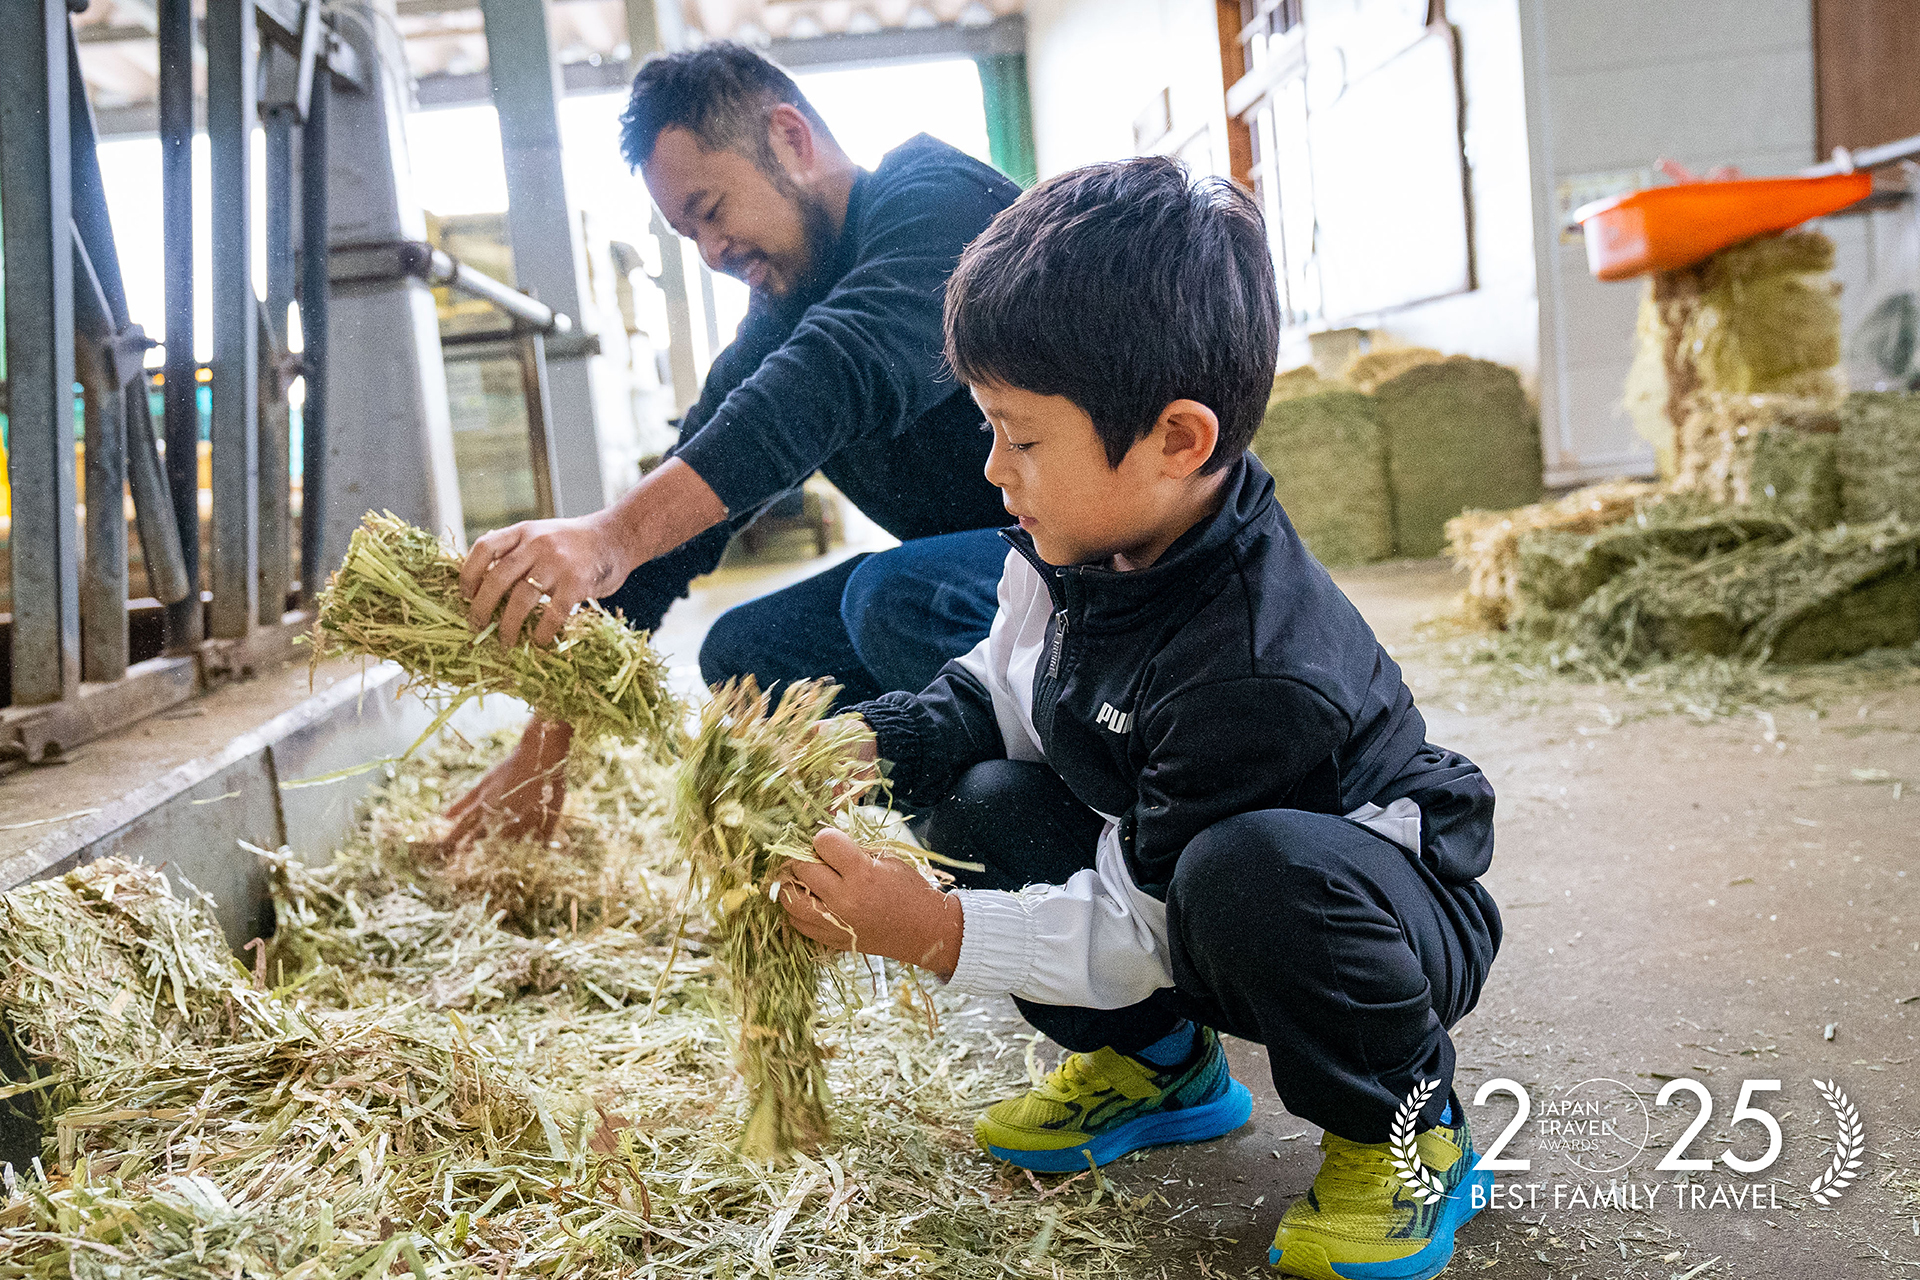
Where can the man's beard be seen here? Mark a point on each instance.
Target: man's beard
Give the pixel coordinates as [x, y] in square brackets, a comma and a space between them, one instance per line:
[822, 242]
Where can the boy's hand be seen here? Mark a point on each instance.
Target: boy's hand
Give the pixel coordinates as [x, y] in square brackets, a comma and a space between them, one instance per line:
[885, 902]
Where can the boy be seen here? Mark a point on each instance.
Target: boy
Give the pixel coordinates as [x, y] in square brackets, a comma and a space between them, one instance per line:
[1200, 790]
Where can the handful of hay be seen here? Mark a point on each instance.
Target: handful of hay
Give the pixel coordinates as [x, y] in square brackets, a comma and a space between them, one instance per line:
[396, 596]
[755, 785]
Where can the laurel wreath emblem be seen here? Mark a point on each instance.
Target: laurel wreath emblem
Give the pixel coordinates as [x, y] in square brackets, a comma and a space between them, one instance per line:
[1849, 1144]
[1421, 1182]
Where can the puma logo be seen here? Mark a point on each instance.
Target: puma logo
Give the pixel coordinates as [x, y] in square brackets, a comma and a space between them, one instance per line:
[1118, 721]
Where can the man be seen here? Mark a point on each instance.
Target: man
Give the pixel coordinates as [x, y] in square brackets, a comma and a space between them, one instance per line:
[836, 368]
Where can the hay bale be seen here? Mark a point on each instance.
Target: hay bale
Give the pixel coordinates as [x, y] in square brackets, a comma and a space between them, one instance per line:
[1760, 317]
[1815, 596]
[1367, 371]
[1768, 318]
[1795, 473]
[1879, 456]
[1486, 543]
[1773, 449]
[1557, 571]
[1329, 464]
[1460, 435]
[1303, 381]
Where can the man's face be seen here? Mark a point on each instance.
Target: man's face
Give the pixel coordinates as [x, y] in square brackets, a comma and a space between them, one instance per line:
[745, 224]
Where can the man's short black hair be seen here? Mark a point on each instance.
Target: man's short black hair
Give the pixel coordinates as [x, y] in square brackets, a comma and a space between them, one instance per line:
[721, 93]
[1124, 287]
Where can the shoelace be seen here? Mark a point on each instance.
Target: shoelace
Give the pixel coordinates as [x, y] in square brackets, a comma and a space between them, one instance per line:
[1354, 1168]
[1074, 1077]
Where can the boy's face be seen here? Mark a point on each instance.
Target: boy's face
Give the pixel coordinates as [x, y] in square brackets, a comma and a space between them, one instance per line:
[1052, 473]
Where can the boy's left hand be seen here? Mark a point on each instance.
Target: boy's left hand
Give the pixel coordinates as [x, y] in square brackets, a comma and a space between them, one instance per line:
[887, 904]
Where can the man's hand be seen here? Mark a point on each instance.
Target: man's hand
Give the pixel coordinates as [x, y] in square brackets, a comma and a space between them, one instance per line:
[885, 902]
[521, 797]
[573, 560]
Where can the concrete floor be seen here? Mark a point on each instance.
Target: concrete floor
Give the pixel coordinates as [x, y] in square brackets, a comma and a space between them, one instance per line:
[1725, 900]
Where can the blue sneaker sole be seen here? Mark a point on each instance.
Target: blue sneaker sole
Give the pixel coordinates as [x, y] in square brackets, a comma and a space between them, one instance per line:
[1160, 1128]
[1424, 1265]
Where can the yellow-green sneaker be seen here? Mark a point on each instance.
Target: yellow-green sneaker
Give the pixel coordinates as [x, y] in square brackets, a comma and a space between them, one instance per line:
[1359, 1222]
[1098, 1106]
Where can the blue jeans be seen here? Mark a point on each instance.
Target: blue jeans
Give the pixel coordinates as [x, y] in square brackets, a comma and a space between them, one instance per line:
[874, 623]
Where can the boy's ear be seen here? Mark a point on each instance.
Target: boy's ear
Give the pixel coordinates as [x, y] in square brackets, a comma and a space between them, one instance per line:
[1188, 433]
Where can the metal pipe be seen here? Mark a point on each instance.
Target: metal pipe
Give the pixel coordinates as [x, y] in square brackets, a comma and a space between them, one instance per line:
[313, 334]
[232, 53]
[36, 243]
[152, 504]
[383, 260]
[103, 569]
[1847, 161]
[180, 403]
[273, 573]
[532, 352]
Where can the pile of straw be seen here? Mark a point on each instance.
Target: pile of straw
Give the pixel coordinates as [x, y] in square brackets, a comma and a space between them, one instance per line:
[1818, 595]
[1487, 543]
[756, 783]
[422, 1091]
[396, 597]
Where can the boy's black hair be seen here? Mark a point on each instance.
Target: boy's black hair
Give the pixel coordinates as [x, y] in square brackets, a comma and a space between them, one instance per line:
[1124, 287]
[722, 93]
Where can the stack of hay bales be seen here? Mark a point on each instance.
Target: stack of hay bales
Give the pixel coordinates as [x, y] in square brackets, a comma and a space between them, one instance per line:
[1373, 464]
[1789, 528]
[1748, 338]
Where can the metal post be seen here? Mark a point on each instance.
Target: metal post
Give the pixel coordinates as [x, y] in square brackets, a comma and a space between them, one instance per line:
[532, 352]
[273, 572]
[232, 51]
[547, 253]
[36, 243]
[313, 335]
[100, 308]
[103, 570]
[185, 621]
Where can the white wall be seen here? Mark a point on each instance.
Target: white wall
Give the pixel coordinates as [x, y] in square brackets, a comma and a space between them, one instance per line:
[1093, 65]
[1614, 87]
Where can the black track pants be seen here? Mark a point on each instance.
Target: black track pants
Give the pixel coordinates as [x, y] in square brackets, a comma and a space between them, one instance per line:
[1343, 953]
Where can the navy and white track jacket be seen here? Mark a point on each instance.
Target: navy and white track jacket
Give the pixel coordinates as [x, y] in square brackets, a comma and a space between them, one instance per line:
[1230, 676]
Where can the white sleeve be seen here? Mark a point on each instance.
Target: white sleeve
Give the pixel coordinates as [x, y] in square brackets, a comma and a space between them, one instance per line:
[1095, 942]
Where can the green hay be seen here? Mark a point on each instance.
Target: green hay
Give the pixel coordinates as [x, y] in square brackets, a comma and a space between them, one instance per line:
[1774, 450]
[1769, 318]
[1303, 381]
[1879, 456]
[1487, 543]
[1815, 596]
[1796, 473]
[1328, 459]
[1460, 435]
[396, 597]
[1365, 372]
[755, 785]
[1558, 571]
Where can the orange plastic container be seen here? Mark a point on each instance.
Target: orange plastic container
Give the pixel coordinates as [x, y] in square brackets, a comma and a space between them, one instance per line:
[1662, 228]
